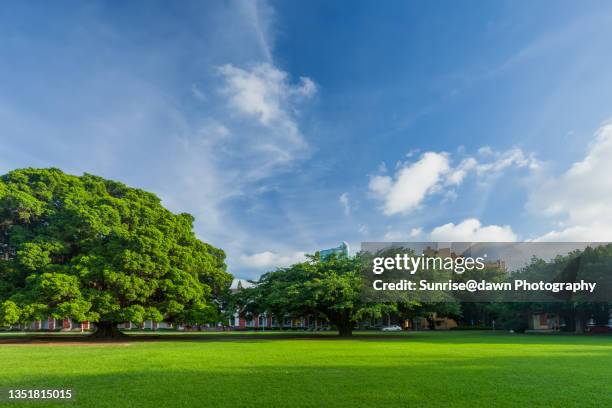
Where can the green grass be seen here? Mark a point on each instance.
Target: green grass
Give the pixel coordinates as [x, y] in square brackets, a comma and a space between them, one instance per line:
[407, 369]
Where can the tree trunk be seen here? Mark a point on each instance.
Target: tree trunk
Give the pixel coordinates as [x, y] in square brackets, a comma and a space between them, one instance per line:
[279, 322]
[579, 324]
[431, 323]
[345, 330]
[107, 330]
[344, 324]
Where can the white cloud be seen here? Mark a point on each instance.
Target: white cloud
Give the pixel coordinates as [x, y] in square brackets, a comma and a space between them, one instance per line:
[449, 196]
[159, 134]
[411, 183]
[307, 88]
[485, 151]
[224, 158]
[491, 164]
[256, 92]
[268, 259]
[433, 173]
[271, 136]
[401, 236]
[395, 236]
[264, 92]
[456, 176]
[345, 203]
[576, 234]
[581, 197]
[471, 230]
[502, 160]
[416, 232]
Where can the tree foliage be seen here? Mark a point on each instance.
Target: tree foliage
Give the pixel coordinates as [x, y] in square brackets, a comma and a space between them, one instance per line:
[329, 288]
[593, 264]
[88, 248]
[333, 288]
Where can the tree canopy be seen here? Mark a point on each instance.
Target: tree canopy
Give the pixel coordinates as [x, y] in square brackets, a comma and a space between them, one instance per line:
[87, 248]
[329, 288]
[592, 264]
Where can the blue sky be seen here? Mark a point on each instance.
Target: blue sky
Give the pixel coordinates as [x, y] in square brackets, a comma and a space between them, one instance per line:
[286, 127]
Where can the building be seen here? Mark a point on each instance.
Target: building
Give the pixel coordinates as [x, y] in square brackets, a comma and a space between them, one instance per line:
[264, 321]
[53, 324]
[544, 322]
[342, 251]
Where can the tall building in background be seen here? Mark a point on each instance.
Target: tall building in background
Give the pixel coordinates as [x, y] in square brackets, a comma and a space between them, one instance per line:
[341, 250]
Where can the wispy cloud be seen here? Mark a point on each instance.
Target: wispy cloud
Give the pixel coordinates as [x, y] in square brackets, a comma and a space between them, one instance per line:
[580, 198]
[202, 133]
[259, 16]
[345, 203]
[198, 93]
[264, 93]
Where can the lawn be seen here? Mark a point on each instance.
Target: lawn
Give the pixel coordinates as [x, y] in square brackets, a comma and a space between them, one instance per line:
[406, 369]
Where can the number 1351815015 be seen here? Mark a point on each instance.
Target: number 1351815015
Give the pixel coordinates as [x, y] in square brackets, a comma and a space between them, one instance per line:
[38, 394]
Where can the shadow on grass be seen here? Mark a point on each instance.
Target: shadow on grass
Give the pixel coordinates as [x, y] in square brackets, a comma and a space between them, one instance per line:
[574, 380]
[438, 337]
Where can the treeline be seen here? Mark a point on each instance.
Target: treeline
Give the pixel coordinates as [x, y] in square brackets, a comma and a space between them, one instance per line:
[91, 249]
[332, 289]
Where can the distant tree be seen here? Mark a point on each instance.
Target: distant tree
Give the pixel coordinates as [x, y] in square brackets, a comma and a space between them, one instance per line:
[10, 313]
[436, 310]
[92, 249]
[208, 314]
[475, 311]
[431, 305]
[592, 264]
[330, 288]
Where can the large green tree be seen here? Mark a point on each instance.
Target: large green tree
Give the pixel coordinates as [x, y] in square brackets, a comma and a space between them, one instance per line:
[330, 288]
[88, 248]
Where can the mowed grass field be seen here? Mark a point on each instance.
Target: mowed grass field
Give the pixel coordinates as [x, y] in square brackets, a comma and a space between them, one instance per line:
[406, 369]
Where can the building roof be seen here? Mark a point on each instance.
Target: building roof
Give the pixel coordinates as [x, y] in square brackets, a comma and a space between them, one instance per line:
[238, 284]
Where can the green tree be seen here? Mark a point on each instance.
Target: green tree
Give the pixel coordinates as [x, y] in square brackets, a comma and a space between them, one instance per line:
[330, 288]
[88, 248]
[592, 264]
[10, 313]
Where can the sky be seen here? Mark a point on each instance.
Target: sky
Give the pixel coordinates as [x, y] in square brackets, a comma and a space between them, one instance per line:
[288, 127]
